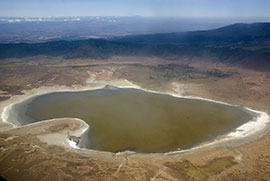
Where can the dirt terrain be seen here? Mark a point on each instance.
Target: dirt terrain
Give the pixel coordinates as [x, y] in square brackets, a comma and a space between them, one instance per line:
[26, 155]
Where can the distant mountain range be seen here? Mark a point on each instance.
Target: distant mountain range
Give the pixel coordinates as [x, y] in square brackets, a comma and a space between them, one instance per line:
[44, 29]
[246, 45]
[232, 33]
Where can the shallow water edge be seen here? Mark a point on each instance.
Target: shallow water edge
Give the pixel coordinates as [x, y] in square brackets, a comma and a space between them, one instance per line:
[240, 135]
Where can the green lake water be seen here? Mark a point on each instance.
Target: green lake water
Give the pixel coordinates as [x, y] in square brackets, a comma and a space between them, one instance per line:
[132, 119]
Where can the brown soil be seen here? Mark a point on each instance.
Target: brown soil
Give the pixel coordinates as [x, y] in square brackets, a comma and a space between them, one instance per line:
[23, 156]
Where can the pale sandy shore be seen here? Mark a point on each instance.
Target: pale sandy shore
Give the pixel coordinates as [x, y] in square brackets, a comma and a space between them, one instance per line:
[247, 132]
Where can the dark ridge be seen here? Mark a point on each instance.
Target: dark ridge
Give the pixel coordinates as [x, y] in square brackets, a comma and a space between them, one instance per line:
[2, 178]
[246, 45]
[231, 33]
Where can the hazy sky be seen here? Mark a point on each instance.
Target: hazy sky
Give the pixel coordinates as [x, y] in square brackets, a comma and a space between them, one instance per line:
[182, 8]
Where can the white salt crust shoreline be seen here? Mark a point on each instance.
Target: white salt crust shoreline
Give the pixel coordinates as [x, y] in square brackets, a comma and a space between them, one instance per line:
[251, 130]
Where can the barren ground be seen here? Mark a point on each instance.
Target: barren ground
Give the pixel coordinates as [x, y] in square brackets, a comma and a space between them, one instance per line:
[25, 155]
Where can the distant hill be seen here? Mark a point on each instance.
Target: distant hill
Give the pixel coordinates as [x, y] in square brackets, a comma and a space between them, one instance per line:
[245, 45]
[231, 33]
[44, 29]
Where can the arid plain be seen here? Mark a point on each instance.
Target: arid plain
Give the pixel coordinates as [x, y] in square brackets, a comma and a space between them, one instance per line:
[29, 153]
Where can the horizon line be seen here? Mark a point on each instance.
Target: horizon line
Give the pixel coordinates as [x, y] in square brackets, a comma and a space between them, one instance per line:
[215, 17]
